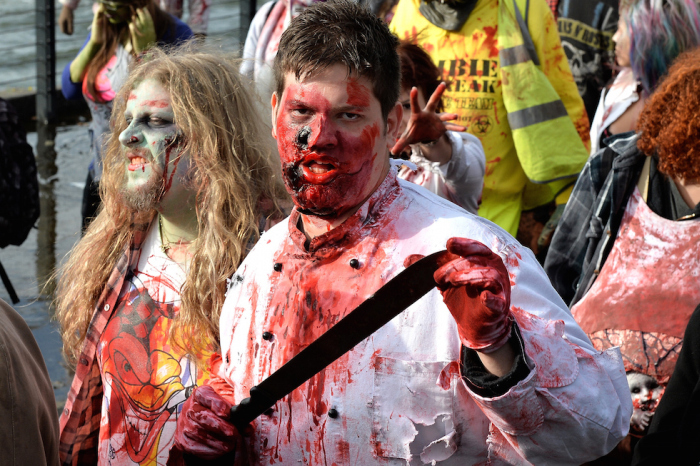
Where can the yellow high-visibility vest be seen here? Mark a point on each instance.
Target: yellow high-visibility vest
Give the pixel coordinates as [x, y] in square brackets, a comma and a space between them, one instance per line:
[509, 101]
[536, 113]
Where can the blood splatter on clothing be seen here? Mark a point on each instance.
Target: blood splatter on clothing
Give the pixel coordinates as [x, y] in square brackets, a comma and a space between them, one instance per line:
[397, 395]
[643, 298]
[146, 377]
[646, 291]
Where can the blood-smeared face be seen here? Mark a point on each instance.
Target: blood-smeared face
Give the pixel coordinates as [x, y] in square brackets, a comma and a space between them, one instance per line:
[155, 163]
[332, 140]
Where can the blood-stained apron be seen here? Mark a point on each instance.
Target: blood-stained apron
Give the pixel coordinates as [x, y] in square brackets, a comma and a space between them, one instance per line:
[646, 291]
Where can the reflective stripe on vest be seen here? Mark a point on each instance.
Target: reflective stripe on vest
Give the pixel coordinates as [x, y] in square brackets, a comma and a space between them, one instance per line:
[514, 55]
[537, 114]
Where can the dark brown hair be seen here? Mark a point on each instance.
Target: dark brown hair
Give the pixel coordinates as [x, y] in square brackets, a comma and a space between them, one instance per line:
[418, 69]
[112, 34]
[669, 123]
[341, 32]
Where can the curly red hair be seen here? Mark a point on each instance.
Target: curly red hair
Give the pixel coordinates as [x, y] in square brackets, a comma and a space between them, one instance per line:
[669, 123]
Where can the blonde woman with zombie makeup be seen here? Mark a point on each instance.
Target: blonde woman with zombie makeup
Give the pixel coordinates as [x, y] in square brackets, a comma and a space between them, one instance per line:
[121, 31]
[186, 179]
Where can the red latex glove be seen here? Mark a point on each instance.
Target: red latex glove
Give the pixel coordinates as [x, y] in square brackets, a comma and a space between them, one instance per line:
[475, 286]
[425, 125]
[203, 429]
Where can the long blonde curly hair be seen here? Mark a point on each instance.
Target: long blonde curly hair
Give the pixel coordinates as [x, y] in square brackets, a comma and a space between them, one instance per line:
[236, 182]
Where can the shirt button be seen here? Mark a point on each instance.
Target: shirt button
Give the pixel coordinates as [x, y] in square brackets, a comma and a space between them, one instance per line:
[332, 413]
[354, 263]
[277, 266]
[65, 411]
[267, 336]
[106, 308]
[83, 361]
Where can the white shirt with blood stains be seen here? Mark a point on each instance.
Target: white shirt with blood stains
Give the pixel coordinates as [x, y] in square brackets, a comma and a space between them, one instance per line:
[397, 397]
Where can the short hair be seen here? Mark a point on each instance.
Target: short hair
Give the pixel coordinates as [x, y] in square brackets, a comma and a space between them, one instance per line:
[669, 124]
[341, 32]
[659, 31]
[418, 69]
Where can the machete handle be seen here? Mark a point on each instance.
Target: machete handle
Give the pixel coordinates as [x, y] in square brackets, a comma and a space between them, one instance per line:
[250, 408]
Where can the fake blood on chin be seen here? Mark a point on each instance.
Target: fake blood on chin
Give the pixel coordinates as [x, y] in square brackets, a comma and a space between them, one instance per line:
[327, 184]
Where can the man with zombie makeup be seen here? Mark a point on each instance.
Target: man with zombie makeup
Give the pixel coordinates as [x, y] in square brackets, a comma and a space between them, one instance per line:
[186, 178]
[121, 31]
[489, 367]
[625, 254]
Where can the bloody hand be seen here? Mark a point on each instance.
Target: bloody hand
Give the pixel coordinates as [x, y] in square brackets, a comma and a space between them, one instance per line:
[475, 286]
[203, 429]
[425, 125]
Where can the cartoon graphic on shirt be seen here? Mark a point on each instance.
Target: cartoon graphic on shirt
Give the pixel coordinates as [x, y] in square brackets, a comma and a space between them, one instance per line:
[146, 378]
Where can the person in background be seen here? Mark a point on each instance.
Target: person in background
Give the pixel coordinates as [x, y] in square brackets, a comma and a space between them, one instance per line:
[674, 429]
[188, 185]
[198, 14]
[453, 164]
[262, 41]
[625, 253]
[649, 36]
[121, 32]
[492, 63]
[29, 428]
[586, 28]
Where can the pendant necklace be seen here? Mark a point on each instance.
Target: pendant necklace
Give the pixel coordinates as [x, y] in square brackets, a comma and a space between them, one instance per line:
[165, 246]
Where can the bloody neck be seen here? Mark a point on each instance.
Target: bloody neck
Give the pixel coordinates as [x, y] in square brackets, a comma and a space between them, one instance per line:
[314, 226]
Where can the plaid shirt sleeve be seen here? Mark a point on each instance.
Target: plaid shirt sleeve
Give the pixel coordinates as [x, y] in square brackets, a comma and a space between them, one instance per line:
[567, 252]
[80, 420]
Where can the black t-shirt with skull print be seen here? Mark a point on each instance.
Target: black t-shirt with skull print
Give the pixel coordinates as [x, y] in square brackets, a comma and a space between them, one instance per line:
[586, 28]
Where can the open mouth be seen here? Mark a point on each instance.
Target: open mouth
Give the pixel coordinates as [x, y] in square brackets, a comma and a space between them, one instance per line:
[318, 172]
[137, 162]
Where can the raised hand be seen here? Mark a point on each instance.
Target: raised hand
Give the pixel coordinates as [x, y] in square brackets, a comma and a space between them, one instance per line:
[475, 287]
[640, 420]
[97, 28]
[65, 20]
[426, 126]
[142, 30]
